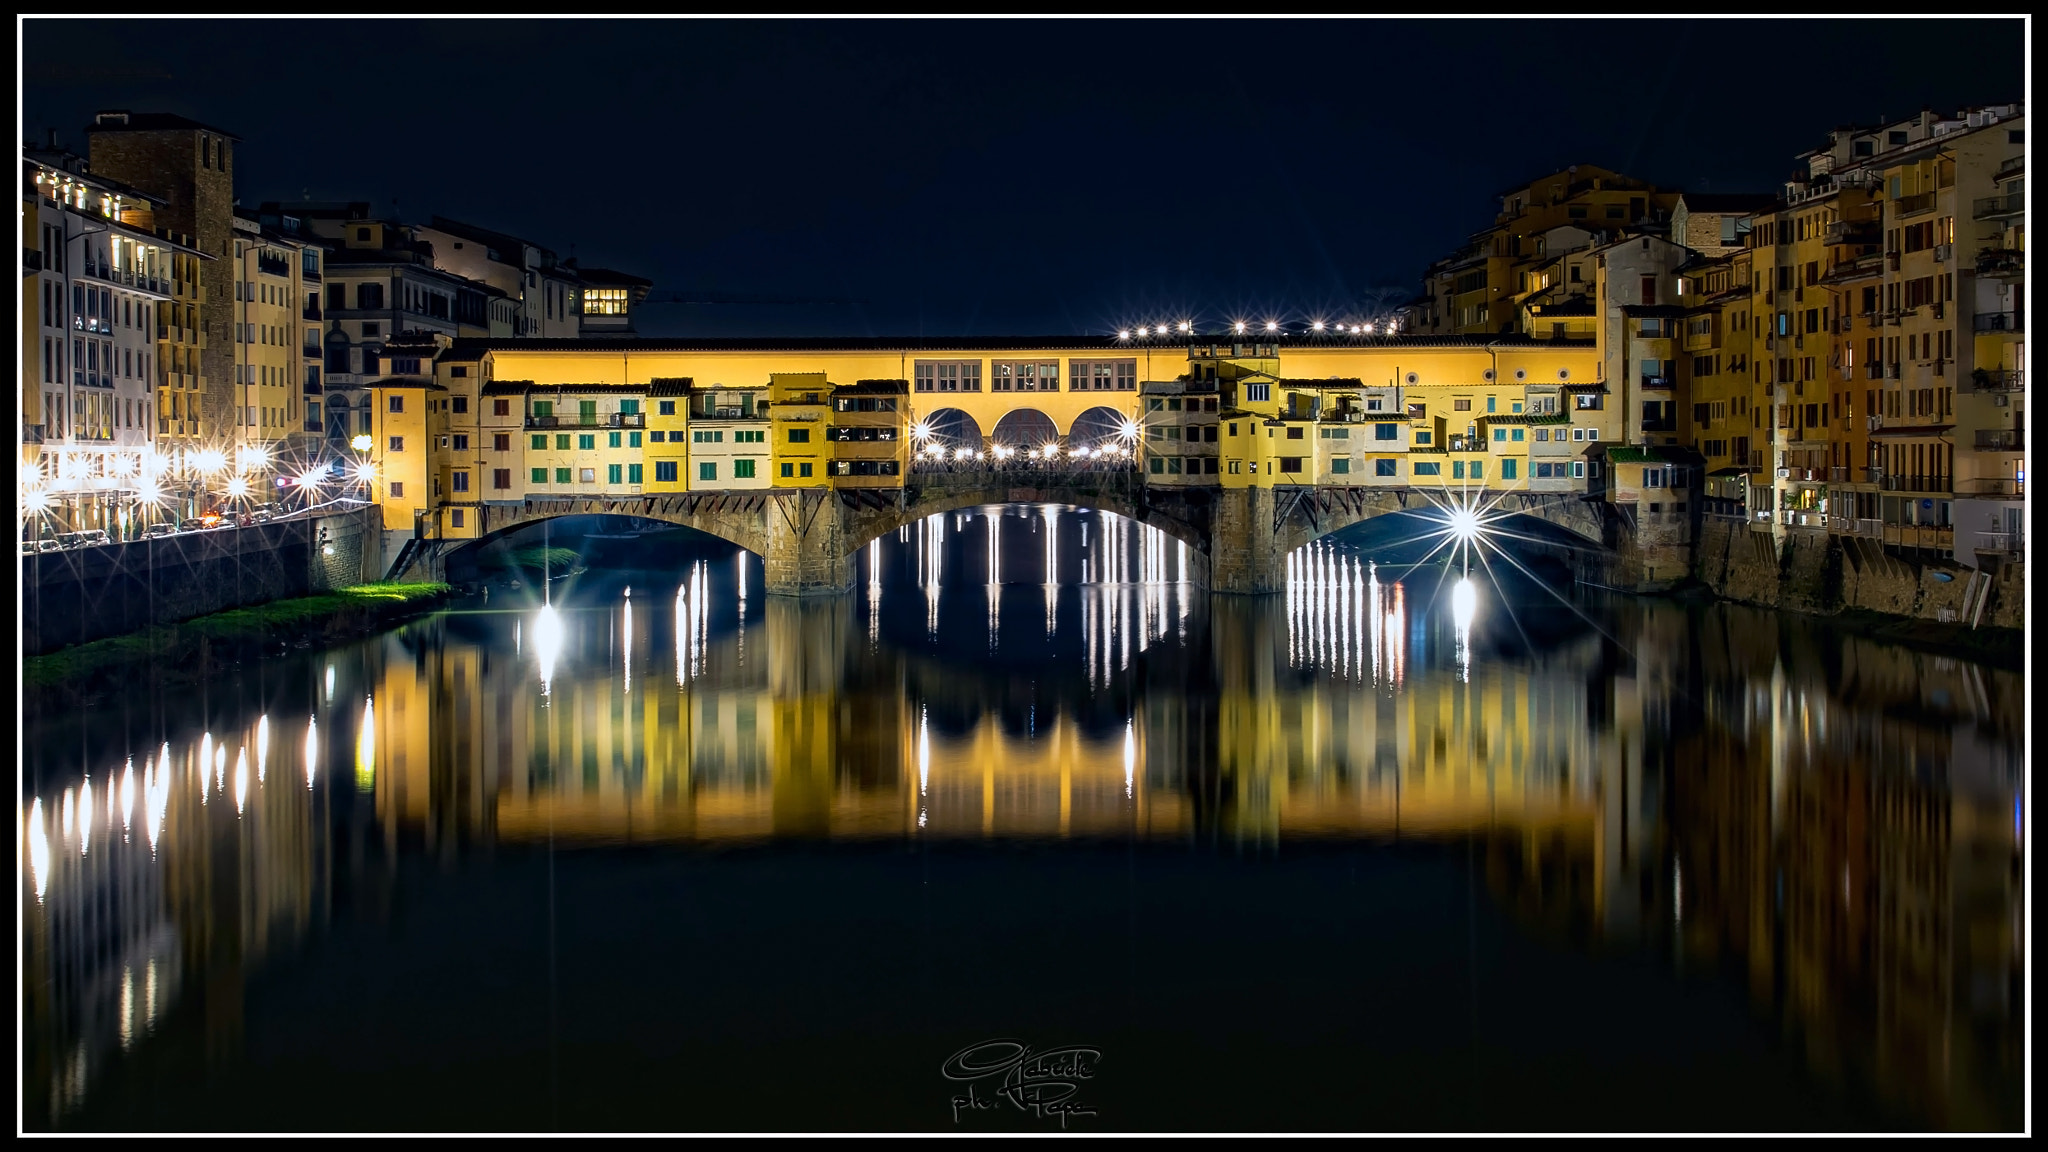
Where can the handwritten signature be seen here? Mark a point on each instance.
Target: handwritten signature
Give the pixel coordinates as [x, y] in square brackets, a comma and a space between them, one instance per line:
[1042, 1082]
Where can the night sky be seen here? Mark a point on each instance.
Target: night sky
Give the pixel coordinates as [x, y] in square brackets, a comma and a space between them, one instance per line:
[986, 177]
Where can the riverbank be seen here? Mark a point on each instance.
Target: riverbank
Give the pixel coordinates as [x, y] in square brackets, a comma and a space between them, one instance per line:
[195, 649]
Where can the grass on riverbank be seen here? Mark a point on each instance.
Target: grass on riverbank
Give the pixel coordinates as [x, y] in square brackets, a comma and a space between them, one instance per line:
[533, 559]
[189, 643]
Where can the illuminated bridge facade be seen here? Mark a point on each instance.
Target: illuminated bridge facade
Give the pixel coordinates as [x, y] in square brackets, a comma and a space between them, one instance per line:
[804, 450]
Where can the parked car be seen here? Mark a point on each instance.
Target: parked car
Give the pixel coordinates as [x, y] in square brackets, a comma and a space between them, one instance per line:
[90, 538]
[264, 512]
[195, 524]
[159, 531]
[48, 545]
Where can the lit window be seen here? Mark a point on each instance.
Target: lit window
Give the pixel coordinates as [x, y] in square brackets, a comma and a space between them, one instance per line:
[604, 302]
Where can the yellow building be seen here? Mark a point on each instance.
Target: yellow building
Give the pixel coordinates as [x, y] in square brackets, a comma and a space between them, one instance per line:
[271, 294]
[799, 418]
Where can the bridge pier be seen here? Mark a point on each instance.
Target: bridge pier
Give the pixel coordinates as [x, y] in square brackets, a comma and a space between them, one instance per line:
[804, 546]
[1245, 552]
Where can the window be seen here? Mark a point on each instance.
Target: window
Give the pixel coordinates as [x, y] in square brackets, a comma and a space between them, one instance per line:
[1422, 436]
[614, 473]
[586, 441]
[1461, 405]
[1290, 463]
[1383, 467]
[658, 436]
[398, 403]
[1292, 433]
[1102, 375]
[803, 470]
[540, 441]
[405, 365]
[1507, 469]
[788, 470]
[948, 375]
[707, 470]
[398, 443]
[1428, 469]
[1255, 393]
[501, 442]
[564, 475]
[1024, 376]
[632, 439]
[754, 437]
[1340, 465]
[1649, 289]
[664, 471]
[398, 488]
[540, 475]
[459, 481]
[633, 473]
[799, 435]
[629, 407]
[702, 436]
[603, 301]
[501, 478]
[586, 475]
[1386, 431]
[668, 407]
[1515, 434]
[741, 469]
[614, 439]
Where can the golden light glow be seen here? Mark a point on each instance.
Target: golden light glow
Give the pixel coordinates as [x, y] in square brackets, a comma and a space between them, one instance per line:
[38, 849]
[366, 748]
[361, 443]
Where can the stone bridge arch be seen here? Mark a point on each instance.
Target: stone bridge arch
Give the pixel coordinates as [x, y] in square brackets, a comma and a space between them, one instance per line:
[1305, 515]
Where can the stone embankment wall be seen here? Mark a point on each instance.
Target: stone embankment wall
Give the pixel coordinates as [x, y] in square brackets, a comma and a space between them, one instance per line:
[93, 593]
[1822, 573]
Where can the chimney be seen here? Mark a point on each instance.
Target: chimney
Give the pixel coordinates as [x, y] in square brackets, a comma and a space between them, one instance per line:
[119, 116]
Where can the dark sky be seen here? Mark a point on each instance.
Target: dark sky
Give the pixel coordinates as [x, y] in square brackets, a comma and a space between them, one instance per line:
[982, 177]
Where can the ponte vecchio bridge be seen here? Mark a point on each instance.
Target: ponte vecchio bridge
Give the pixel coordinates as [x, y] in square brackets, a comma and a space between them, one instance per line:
[804, 451]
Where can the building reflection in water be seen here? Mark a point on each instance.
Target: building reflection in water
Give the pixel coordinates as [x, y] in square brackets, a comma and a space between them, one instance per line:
[1833, 819]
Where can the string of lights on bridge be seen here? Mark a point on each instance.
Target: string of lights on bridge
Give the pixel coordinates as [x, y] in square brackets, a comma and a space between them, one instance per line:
[1186, 328]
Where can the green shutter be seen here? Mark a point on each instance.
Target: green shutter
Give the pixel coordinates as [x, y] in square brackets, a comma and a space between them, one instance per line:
[540, 441]
[540, 475]
[543, 407]
[562, 476]
[562, 441]
[743, 469]
[632, 439]
[632, 473]
[612, 439]
[629, 407]
[586, 442]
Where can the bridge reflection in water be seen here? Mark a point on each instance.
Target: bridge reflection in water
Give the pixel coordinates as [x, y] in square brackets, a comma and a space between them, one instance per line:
[1832, 818]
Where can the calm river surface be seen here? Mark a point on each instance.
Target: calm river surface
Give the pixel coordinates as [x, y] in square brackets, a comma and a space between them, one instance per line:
[1378, 854]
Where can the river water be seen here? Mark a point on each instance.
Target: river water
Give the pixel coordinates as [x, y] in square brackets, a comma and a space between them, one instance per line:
[1401, 849]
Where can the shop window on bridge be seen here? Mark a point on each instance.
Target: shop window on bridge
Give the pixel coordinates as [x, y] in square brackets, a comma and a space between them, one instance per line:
[614, 440]
[501, 478]
[1422, 437]
[757, 437]
[707, 471]
[1290, 463]
[1386, 431]
[668, 407]
[799, 435]
[1429, 468]
[948, 375]
[701, 436]
[586, 475]
[741, 470]
[1105, 376]
[614, 473]
[1586, 402]
[664, 471]
[540, 476]
[586, 441]
[1340, 465]
[1254, 393]
[1384, 468]
[564, 476]
[1507, 469]
[1024, 376]
[633, 473]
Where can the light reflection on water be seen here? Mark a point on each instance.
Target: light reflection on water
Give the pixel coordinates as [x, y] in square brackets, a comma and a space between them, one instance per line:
[1835, 819]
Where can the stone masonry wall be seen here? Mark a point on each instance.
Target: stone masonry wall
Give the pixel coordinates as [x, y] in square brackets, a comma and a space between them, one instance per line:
[93, 593]
[1825, 573]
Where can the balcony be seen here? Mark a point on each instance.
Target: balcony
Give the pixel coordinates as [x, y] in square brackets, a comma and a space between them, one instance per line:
[1839, 475]
[1995, 380]
[312, 309]
[1896, 483]
[1466, 444]
[1844, 526]
[2000, 322]
[1656, 382]
[273, 266]
[2002, 543]
[2000, 440]
[592, 420]
[1660, 425]
[1998, 207]
[1913, 205]
[2002, 263]
[1852, 232]
[1993, 486]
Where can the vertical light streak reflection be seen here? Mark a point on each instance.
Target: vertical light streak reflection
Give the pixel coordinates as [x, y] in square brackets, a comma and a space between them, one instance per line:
[683, 634]
[366, 747]
[312, 751]
[241, 779]
[547, 644]
[205, 764]
[1464, 605]
[39, 848]
[127, 1006]
[149, 996]
[1130, 756]
[70, 815]
[875, 589]
[262, 745]
[330, 677]
[626, 660]
[220, 766]
[85, 816]
[128, 796]
[740, 562]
